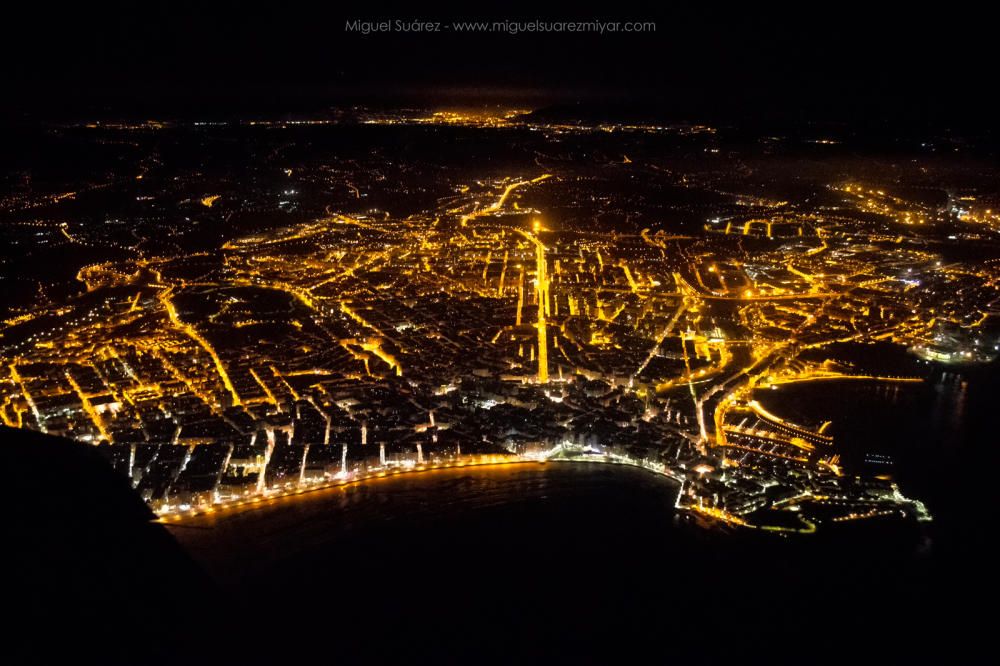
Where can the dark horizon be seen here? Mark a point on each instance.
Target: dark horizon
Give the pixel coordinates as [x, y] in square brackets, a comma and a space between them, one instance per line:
[856, 65]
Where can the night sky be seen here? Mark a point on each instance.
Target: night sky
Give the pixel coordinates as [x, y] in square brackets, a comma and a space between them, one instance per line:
[842, 62]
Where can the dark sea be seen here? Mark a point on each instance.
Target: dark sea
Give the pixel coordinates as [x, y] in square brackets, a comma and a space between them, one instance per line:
[581, 563]
[938, 440]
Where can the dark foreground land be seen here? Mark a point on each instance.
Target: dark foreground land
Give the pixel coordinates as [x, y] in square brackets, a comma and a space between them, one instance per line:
[561, 563]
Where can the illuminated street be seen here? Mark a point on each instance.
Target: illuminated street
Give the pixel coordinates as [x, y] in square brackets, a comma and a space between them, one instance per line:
[499, 318]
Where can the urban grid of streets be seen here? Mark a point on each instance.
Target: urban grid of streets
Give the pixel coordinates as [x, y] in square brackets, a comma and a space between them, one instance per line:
[479, 330]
